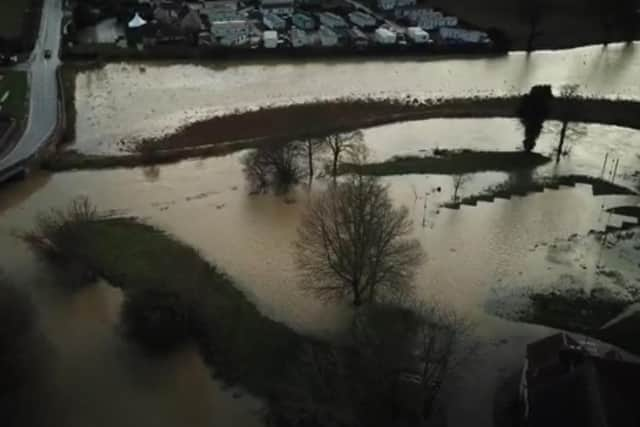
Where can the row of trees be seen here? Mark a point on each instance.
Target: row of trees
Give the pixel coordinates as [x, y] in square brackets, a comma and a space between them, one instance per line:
[281, 165]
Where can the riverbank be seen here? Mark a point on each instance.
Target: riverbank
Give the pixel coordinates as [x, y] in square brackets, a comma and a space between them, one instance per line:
[241, 345]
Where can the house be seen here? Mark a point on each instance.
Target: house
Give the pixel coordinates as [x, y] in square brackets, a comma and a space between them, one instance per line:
[417, 35]
[299, 37]
[328, 37]
[565, 383]
[386, 5]
[303, 21]
[277, 7]
[231, 33]
[332, 20]
[358, 38]
[462, 35]
[221, 10]
[384, 36]
[273, 22]
[270, 39]
[362, 19]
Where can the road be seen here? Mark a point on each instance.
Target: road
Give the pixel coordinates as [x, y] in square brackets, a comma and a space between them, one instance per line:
[43, 93]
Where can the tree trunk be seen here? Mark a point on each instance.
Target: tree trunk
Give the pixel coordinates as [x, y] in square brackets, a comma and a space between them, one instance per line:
[563, 134]
[357, 297]
[310, 160]
[334, 171]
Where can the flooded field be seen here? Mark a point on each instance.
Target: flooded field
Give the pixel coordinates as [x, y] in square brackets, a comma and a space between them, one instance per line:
[480, 260]
[123, 101]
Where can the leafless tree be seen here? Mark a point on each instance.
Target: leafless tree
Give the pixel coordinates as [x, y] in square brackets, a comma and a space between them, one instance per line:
[353, 242]
[340, 144]
[568, 95]
[459, 182]
[388, 373]
[310, 147]
[275, 165]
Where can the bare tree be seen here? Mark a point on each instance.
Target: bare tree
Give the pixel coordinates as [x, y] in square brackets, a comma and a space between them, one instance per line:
[459, 182]
[353, 242]
[274, 166]
[340, 144]
[310, 147]
[388, 373]
[568, 94]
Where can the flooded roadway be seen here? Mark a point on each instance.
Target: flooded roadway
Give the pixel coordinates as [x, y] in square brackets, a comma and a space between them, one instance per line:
[475, 255]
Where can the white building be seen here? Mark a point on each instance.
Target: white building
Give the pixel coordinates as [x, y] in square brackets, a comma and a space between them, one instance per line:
[303, 21]
[463, 35]
[384, 36]
[405, 3]
[417, 35]
[231, 33]
[278, 7]
[273, 22]
[332, 20]
[270, 39]
[328, 37]
[362, 19]
[299, 37]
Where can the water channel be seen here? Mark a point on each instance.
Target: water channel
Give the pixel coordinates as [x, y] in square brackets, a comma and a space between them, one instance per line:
[477, 256]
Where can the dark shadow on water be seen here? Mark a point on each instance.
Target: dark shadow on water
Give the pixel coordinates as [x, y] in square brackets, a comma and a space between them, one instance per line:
[16, 191]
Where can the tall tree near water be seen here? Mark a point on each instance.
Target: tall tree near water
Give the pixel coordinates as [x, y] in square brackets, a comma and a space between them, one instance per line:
[533, 111]
[340, 144]
[353, 243]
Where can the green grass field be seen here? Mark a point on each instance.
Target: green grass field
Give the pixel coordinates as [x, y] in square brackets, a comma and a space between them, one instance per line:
[14, 83]
[12, 14]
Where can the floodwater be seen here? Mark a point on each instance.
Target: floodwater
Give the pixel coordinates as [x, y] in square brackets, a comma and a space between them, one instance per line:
[98, 378]
[478, 258]
[124, 101]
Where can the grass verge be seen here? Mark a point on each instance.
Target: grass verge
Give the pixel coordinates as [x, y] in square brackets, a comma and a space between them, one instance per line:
[14, 85]
[453, 163]
[241, 345]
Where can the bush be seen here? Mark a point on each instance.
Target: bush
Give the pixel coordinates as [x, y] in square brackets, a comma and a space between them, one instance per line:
[160, 321]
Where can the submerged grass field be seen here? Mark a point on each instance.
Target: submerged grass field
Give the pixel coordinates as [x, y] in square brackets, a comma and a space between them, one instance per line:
[241, 345]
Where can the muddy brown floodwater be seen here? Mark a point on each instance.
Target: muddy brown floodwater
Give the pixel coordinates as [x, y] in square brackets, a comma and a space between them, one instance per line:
[122, 101]
[478, 257]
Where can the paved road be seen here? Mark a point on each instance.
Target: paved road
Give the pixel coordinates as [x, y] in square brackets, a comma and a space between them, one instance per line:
[43, 104]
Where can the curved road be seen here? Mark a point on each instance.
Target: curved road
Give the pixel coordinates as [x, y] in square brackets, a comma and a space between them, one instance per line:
[43, 91]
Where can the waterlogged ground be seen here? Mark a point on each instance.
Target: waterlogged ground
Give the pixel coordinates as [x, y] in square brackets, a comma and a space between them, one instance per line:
[479, 258]
[123, 101]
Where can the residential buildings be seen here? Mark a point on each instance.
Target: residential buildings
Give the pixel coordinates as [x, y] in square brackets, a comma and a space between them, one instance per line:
[303, 21]
[332, 20]
[278, 7]
[362, 19]
[384, 36]
[328, 37]
[231, 33]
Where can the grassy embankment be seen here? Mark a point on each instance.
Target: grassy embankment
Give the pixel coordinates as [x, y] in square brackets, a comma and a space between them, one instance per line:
[511, 188]
[452, 163]
[285, 123]
[241, 345]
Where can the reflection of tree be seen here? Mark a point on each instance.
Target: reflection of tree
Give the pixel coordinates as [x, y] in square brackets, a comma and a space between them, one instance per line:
[531, 13]
[387, 373]
[533, 111]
